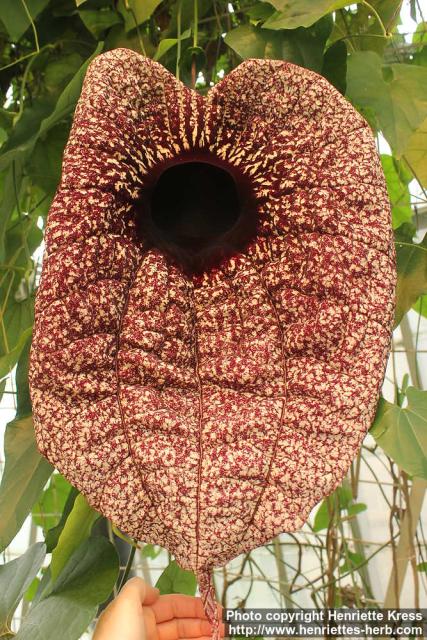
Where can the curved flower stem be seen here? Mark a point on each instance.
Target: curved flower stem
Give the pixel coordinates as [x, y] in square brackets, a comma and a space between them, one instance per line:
[33, 26]
[178, 27]
[377, 16]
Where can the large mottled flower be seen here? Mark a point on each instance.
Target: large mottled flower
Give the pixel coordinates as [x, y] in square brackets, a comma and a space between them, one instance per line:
[214, 313]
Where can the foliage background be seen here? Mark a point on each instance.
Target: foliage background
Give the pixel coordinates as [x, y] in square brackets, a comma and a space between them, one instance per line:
[45, 46]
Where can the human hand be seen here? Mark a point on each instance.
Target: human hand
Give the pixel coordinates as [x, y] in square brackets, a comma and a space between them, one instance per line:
[140, 613]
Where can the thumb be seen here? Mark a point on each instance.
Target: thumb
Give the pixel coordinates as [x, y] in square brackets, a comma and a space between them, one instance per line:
[137, 589]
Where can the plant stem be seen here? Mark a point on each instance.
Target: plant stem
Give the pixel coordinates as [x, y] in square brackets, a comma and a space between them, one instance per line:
[22, 91]
[28, 55]
[285, 599]
[195, 38]
[138, 32]
[195, 23]
[128, 568]
[33, 26]
[408, 244]
[178, 26]
[377, 16]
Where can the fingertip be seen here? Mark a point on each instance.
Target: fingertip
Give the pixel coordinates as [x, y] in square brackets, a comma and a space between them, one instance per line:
[151, 595]
[133, 585]
[138, 588]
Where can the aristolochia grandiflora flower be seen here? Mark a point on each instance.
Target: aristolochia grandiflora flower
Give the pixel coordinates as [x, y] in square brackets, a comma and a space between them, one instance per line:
[215, 308]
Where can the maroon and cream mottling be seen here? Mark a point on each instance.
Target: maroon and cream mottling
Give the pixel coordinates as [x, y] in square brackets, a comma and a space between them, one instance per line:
[208, 413]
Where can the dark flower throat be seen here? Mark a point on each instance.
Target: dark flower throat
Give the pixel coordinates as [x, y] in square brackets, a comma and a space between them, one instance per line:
[198, 212]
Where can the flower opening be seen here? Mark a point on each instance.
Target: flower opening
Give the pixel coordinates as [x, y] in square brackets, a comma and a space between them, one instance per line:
[197, 208]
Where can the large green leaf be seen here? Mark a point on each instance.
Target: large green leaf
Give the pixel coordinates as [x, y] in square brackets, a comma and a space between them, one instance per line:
[60, 71]
[68, 99]
[421, 306]
[98, 21]
[18, 151]
[322, 517]
[117, 38]
[366, 86]
[136, 12]
[176, 580]
[402, 432]
[9, 359]
[13, 157]
[168, 43]
[52, 536]
[301, 46]
[259, 12]
[18, 313]
[419, 39]
[64, 106]
[76, 530]
[15, 578]
[17, 318]
[27, 124]
[252, 42]
[85, 582]
[361, 27]
[407, 86]
[12, 164]
[397, 178]
[44, 167]
[25, 474]
[334, 67]
[23, 400]
[16, 19]
[411, 275]
[23, 236]
[397, 93]
[301, 13]
[48, 509]
[342, 498]
[416, 152]
[17, 288]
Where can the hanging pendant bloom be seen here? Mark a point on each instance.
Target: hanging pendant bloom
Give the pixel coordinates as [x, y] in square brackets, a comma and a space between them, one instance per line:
[214, 314]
